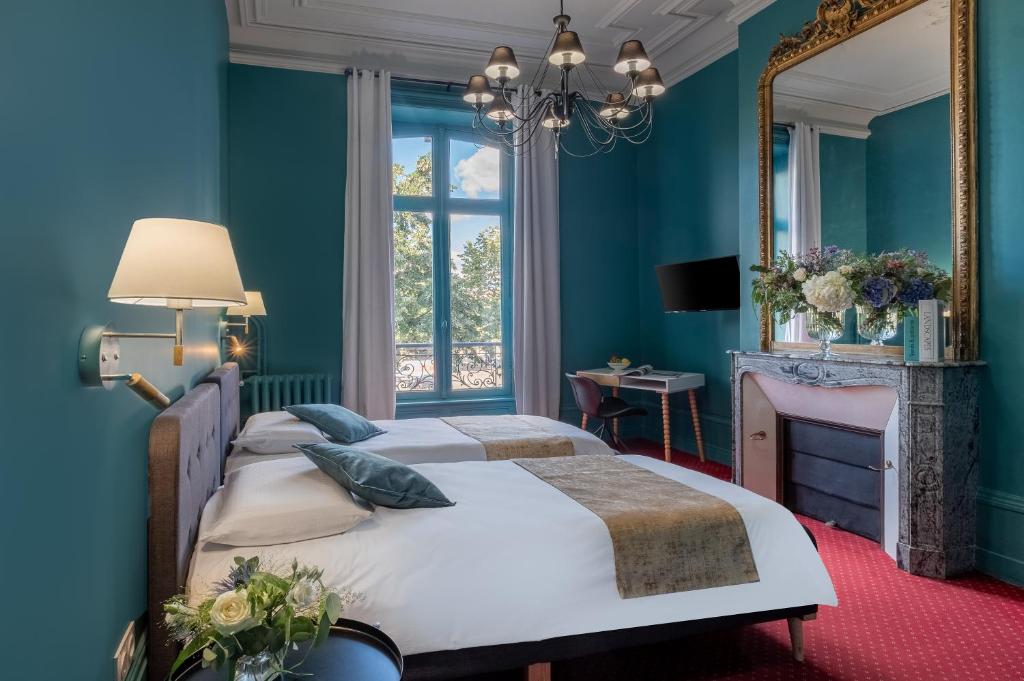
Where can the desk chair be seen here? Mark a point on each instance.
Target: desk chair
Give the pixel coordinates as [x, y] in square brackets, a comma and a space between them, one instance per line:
[594, 405]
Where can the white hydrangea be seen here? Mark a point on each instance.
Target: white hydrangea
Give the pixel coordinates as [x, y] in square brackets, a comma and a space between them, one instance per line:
[829, 292]
[800, 274]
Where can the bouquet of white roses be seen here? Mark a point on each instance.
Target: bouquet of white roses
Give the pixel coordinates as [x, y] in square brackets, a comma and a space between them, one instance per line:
[256, 611]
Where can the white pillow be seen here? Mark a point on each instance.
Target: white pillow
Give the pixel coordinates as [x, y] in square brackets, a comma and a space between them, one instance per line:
[276, 432]
[277, 502]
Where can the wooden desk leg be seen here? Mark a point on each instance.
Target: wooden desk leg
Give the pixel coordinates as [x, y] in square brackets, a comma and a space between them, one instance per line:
[696, 423]
[615, 422]
[540, 671]
[583, 426]
[666, 434]
[796, 638]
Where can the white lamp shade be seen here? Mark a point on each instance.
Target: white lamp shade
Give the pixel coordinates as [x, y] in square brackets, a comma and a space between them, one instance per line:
[253, 306]
[177, 263]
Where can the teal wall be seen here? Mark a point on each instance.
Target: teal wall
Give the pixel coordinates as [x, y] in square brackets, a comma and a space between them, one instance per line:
[1000, 214]
[287, 196]
[1000, 175]
[107, 116]
[687, 210]
[843, 192]
[598, 199]
[908, 181]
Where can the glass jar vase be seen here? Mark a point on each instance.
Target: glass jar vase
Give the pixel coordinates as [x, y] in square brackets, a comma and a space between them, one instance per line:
[264, 666]
[876, 324]
[824, 327]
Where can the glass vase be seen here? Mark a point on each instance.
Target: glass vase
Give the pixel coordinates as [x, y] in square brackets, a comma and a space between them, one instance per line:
[876, 324]
[824, 327]
[264, 666]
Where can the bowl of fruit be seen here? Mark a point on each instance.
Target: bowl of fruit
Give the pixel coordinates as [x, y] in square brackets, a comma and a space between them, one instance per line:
[618, 363]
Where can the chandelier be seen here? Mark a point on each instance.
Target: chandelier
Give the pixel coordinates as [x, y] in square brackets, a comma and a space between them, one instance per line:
[514, 116]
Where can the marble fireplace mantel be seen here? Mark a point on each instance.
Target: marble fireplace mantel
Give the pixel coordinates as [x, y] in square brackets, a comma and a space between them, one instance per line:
[937, 415]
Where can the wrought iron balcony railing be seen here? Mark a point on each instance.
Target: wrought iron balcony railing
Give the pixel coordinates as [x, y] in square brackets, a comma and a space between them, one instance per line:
[475, 366]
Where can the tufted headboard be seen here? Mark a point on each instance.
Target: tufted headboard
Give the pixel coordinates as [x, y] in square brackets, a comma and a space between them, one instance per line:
[187, 447]
[227, 378]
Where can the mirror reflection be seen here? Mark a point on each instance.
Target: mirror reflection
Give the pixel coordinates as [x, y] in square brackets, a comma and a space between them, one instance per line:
[861, 148]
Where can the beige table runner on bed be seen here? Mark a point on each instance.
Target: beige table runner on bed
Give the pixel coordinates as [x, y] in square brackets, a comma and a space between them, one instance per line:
[510, 437]
[666, 536]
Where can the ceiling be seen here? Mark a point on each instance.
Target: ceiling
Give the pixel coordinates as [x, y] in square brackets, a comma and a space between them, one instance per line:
[452, 39]
[897, 64]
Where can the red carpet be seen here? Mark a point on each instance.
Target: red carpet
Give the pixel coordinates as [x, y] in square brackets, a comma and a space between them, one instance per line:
[889, 625]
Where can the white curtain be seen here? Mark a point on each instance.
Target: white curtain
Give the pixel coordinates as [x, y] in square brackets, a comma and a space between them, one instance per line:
[804, 205]
[368, 335]
[536, 311]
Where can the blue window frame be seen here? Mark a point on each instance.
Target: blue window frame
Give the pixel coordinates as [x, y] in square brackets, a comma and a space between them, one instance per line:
[453, 264]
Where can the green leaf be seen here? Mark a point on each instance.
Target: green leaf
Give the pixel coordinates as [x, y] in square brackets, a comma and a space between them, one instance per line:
[333, 607]
[193, 647]
[323, 630]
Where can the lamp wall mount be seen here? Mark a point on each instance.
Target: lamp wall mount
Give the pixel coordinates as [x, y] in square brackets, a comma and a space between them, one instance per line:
[99, 356]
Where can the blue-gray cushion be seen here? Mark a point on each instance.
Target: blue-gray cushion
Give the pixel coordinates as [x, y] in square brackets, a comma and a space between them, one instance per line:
[339, 423]
[375, 478]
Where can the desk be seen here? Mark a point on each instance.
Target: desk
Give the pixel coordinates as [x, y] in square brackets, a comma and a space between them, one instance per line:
[662, 382]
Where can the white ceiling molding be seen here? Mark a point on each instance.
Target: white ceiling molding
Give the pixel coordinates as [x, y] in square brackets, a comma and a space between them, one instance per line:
[831, 119]
[452, 39]
[744, 9]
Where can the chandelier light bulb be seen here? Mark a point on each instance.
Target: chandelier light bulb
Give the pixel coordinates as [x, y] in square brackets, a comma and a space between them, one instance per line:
[552, 121]
[614, 107]
[502, 65]
[567, 51]
[500, 111]
[478, 91]
[648, 83]
[632, 58]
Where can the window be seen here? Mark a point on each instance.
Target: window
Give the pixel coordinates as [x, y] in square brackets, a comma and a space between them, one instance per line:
[452, 224]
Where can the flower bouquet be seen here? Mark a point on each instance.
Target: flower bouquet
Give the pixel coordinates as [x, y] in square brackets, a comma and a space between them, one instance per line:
[257, 616]
[890, 285]
[814, 283]
[825, 282]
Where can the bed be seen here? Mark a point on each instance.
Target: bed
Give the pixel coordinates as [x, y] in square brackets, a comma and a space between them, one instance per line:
[514, 575]
[426, 440]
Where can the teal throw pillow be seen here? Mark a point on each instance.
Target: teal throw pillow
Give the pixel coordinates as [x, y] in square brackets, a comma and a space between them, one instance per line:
[340, 424]
[375, 478]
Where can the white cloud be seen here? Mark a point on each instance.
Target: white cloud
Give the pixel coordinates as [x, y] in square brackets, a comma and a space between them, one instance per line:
[479, 173]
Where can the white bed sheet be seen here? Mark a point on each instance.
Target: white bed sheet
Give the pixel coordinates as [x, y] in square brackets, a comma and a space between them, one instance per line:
[431, 440]
[516, 560]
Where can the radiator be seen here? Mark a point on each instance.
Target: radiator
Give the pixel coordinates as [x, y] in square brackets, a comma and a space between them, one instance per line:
[273, 393]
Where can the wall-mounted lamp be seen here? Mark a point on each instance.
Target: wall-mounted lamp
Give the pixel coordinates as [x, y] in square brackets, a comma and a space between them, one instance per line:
[166, 262]
[253, 308]
[178, 264]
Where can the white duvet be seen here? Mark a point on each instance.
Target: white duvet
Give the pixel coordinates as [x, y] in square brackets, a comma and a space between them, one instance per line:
[431, 440]
[516, 560]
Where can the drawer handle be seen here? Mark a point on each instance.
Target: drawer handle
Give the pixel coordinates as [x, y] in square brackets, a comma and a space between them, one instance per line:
[759, 435]
[888, 467]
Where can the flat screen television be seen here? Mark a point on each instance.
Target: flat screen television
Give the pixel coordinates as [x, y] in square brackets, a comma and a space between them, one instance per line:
[700, 285]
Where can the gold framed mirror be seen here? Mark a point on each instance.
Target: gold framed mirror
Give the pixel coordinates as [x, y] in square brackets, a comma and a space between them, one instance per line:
[849, 72]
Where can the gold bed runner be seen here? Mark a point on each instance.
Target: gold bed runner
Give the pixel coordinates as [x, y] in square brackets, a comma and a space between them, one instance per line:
[666, 536]
[510, 437]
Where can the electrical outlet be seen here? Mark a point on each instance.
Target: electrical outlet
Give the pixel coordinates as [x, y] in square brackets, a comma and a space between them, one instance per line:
[124, 654]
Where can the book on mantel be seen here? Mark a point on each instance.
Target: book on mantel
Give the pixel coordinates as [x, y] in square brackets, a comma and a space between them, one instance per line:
[911, 338]
[931, 331]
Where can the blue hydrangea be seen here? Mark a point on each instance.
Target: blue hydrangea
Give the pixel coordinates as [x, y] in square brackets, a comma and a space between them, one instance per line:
[917, 289]
[879, 291]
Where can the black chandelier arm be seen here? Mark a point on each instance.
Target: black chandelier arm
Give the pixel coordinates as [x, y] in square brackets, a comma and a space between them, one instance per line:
[645, 108]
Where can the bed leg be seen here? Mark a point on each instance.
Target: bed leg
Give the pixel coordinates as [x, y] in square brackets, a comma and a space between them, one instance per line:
[796, 637]
[538, 672]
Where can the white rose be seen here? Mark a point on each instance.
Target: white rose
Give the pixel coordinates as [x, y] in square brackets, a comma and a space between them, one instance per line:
[303, 594]
[800, 274]
[830, 292]
[230, 613]
[845, 270]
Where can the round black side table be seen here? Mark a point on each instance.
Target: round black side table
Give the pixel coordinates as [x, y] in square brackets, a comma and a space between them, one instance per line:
[353, 652]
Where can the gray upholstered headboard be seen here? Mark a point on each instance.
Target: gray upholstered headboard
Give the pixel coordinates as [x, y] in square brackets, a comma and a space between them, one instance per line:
[187, 446]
